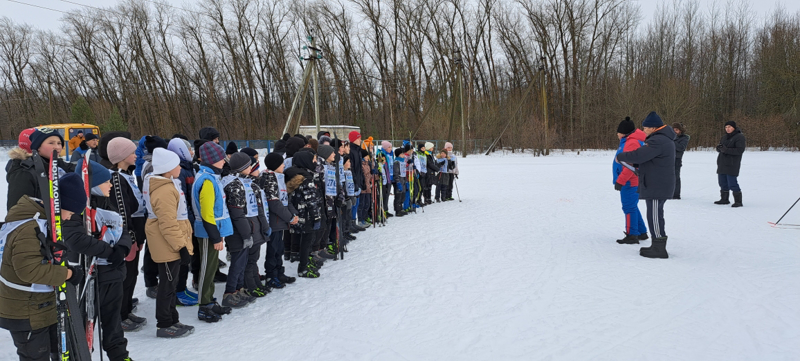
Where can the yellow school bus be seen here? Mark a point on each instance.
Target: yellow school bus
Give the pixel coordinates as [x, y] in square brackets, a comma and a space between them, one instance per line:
[70, 130]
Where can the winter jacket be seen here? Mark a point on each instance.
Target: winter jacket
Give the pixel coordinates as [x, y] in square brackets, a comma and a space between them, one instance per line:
[430, 163]
[236, 200]
[23, 264]
[355, 166]
[399, 180]
[302, 195]
[629, 143]
[81, 152]
[656, 160]
[279, 215]
[453, 159]
[166, 234]
[141, 151]
[23, 178]
[135, 224]
[681, 141]
[260, 223]
[368, 177]
[730, 148]
[187, 180]
[75, 142]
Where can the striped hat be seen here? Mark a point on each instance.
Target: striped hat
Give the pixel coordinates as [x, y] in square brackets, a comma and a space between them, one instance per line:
[211, 153]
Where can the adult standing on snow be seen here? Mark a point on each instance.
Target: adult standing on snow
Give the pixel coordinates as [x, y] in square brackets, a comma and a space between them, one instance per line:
[681, 141]
[656, 161]
[627, 183]
[730, 148]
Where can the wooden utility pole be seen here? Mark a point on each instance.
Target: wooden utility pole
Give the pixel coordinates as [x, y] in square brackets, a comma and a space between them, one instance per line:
[311, 71]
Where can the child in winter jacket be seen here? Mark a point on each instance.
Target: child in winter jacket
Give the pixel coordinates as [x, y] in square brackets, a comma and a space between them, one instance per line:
[169, 235]
[212, 224]
[261, 233]
[399, 181]
[443, 178]
[243, 209]
[111, 269]
[281, 215]
[129, 200]
[303, 196]
[27, 297]
[626, 182]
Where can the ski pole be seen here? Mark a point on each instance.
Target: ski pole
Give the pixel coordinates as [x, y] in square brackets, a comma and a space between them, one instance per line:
[459, 194]
[787, 211]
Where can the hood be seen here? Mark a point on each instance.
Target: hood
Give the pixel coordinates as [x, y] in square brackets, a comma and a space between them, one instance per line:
[26, 208]
[637, 134]
[157, 182]
[18, 153]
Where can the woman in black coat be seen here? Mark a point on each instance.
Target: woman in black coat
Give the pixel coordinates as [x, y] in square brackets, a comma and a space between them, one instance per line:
[730, 148]
[681, 141]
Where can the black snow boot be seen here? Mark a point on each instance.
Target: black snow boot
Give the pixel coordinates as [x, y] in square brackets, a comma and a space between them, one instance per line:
[643, 237]
[629, 239]
[724, 197]
[737, 199]
[658, 249]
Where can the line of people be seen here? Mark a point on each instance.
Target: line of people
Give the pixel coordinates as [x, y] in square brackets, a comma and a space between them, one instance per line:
[178, 204]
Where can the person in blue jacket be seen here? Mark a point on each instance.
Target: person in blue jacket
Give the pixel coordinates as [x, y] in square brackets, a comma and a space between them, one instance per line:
[626, 181]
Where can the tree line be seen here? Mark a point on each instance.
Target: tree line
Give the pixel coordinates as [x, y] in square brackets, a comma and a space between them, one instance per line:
[553, 73]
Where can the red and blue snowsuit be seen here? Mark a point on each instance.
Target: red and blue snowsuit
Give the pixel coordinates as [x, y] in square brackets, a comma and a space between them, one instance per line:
[634, 224]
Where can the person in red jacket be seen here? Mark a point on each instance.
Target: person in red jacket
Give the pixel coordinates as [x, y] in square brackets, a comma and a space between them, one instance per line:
[626, 181]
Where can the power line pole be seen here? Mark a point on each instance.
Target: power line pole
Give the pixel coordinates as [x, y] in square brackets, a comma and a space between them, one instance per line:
[311, 71]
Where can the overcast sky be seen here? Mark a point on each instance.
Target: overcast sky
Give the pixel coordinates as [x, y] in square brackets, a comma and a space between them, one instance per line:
[49, 19]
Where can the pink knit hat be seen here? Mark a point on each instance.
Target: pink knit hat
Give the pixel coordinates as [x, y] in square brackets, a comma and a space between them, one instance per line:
[386, 145]
[448, 145]
[120, 148]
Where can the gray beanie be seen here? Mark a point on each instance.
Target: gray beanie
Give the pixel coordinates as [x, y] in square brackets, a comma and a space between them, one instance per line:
[325, 151]
[239, 161]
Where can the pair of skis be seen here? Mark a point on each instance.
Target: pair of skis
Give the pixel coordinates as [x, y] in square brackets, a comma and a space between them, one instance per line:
[71, 333]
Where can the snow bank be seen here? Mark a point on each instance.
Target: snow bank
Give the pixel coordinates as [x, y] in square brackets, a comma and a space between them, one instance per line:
[526, 268]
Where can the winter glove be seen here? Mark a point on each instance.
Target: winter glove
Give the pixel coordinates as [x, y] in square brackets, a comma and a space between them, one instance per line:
[248, 242]
[186, 258]
[719, 148]
[77, 275]
[117, 256]
[617, 186]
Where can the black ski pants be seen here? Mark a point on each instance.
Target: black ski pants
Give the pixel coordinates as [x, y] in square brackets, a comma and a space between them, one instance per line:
[166, 312]
[655, 217]
[114, 342]
[273, 263]
[36, 345]
[129, 285]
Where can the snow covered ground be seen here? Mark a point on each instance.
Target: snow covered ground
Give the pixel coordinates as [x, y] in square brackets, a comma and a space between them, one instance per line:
[527, 268]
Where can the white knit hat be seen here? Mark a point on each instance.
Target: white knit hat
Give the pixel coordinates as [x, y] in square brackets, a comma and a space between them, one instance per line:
[164, 161]
[429, 146]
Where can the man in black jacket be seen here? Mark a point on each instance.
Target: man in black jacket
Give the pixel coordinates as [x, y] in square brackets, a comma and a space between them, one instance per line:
[730, 148]
[656, 160]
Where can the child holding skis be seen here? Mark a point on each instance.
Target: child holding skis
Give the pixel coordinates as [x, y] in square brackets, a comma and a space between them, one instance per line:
[111, 269]
[27, 297]
[169, 235]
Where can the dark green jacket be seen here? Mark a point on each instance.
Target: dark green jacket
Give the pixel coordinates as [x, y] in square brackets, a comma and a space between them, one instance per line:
[24, 264]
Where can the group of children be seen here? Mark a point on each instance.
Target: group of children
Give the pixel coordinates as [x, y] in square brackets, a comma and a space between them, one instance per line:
[178, 204]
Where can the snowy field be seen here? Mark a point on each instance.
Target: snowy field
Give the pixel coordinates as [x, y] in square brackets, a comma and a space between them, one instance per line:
[527, 268]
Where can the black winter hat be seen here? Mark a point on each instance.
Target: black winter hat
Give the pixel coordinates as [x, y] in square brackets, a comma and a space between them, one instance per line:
[626, 126]
[398, 151]
[90, 136]
[304, 160]
[239, 162]
[364, 152]
[273, 161]
[731, 123]
[293, 145]
[336, 144]
[179, 135]
[303, 138]
[73, 197]
[41, 134]
[231, 148]
[209, 133]
[151, 142]
[407, 147]
[653, 121]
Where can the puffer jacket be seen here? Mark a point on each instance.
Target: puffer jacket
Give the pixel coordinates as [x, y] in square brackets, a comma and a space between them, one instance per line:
[629, 143]
[303, 195]
[279, 215]
[166, 235]
[23, 257]
[22, 177]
